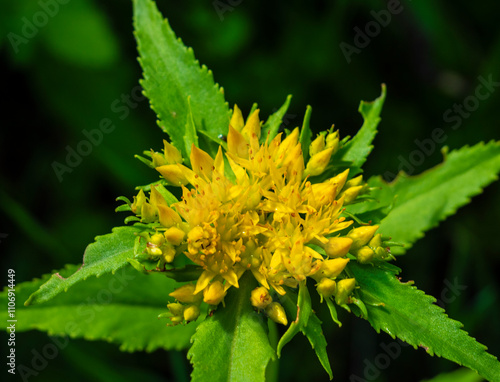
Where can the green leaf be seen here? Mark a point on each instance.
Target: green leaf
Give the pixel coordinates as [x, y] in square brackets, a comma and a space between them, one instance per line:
[307, 323]
[167, 195]
[357, 149]
[412, 316]
[460, 375]
[120, 308]
[108, 254]
[301, 311]
[306, 133]
[232, 345]
[190, 136]
[422, 201]
[171, 74]
[273, 123]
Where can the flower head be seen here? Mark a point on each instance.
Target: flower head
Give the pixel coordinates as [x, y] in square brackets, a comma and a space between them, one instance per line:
[254, 209]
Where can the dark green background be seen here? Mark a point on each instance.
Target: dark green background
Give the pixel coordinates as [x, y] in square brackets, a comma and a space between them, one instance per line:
[69, 75]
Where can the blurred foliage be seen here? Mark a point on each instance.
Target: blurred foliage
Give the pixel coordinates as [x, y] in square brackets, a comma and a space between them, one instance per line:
[79, 67]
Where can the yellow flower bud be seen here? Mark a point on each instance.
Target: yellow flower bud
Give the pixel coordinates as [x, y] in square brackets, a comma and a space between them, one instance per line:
[148, 213]
[344, 289]
[176, 309]
[154, 251]
[237, 121]
[157, 239]
[357, 181]
[139, 200]
[332, 141]
[260, 298]
[365, 255]
[174, 174]
[158, 159]
[376, 241]
[333, 267]
[171, 154]
[350, 194]
[168, 252]
[174, 235]
[214, 293]
[361, 236]
[339, 180]
[167, 216]
[317, 145]
[176, 320]
[191, 312]
[338, 246]
[186, 294]
[326, 288]
[276, 313]
[317, 164]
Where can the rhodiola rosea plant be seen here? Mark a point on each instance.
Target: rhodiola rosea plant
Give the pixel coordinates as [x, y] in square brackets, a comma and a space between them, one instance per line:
[246, 222]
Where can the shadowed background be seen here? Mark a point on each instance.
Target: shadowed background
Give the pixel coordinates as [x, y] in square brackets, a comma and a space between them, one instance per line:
[76, 67]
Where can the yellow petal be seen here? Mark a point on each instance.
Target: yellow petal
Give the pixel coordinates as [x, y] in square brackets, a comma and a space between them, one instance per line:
[236, 143]
[203, 281]
[219, 162]
[174, 174]
[156, 199]
[201, 162]
[172, 155]
[168, 217]
[252, 130]
[237, 121]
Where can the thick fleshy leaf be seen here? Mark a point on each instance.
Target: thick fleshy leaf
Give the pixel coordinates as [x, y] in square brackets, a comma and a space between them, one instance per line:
[422, 201]
[171, 74]
[120, 308]
[412, 316]
[232, 345]
[106, 255]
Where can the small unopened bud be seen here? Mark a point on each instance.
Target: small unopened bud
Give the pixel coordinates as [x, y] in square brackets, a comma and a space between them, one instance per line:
[317, 145]
[350, 194]
[326, 288]
[185, 294]
[174, 235]
[176, 309]
[191, 312]
[276, 313]
[154, 251]
[173, 173]
[338, 246]
[357, 181]
[333, 267]
[171, 154]
[214, 293]
[157, 239]
[365, 255]
[139, 200]
[158, 159]
[344, 289]
[317, 164]
[376, 241]
[361, 235]
[332, 141]
[260, 298]
[168, 253]
[339, 180]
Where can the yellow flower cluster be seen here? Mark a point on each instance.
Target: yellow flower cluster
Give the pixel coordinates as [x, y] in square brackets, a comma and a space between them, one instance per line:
[256, 210]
